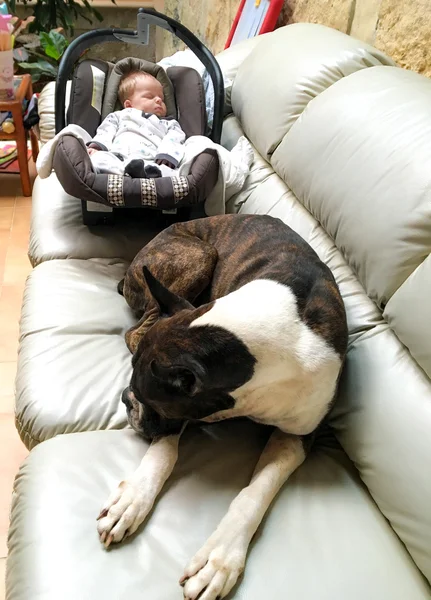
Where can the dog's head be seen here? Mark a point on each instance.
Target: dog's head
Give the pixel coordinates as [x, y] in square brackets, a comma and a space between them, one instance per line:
[181, 372]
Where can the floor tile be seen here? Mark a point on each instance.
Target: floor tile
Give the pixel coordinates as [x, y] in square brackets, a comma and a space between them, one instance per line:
[6, 216]
[9, 334]
[16, 269]
[3, 252]
[10, 312]
[7, 378]
[16, 264]
[7, 201]
[21, 201]
[7, 404]
[11, 300]
[21, 218]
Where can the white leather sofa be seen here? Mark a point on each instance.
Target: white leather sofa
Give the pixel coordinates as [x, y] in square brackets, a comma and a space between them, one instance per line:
[342, 141]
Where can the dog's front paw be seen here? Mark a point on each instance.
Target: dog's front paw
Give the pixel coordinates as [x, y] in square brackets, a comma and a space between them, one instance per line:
[125, 510]
[215, 569]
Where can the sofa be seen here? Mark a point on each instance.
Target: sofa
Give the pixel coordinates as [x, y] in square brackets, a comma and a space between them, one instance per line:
[342, 142]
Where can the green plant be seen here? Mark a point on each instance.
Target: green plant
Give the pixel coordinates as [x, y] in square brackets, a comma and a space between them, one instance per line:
[40, 54]
[51, 14]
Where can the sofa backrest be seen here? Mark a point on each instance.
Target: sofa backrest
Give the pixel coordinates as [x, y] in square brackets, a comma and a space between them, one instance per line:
[343, 155]
[285, 72]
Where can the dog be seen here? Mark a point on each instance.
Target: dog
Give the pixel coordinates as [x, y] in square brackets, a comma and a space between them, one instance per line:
[238, 317]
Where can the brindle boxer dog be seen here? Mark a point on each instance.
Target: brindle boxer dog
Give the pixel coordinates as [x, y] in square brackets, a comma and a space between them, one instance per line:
[238, 318]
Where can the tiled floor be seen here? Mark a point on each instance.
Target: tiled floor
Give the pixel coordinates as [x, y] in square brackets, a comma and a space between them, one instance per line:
[14, 268]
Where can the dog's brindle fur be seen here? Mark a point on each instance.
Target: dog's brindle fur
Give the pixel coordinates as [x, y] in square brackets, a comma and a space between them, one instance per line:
[237, 317]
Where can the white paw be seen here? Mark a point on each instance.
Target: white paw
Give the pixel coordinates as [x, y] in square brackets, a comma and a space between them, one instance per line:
[215, 569]
[121, 516]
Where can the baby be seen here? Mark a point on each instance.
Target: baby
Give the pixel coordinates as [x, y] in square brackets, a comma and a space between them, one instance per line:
[139, 140]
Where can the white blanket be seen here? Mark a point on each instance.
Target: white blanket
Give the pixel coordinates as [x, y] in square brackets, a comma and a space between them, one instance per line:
[233, 169]
[46, 154]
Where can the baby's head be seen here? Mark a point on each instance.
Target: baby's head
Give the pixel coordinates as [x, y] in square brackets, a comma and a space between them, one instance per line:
[142, 91]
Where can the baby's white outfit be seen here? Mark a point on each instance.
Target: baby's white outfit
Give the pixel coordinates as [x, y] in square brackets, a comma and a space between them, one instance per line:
[130, 134]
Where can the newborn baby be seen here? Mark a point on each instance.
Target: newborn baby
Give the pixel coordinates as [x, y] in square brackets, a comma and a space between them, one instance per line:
[139, 140]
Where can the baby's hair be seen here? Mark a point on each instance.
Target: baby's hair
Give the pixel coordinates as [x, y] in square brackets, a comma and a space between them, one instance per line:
[128, 84]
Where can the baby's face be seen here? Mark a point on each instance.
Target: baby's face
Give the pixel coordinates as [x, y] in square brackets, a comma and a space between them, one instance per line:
[148, 97]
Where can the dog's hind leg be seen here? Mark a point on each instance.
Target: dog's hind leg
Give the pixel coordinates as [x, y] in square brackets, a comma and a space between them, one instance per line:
[214, 570]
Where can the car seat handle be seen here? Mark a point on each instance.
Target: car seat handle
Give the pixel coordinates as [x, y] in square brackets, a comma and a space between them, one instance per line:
[146, 17]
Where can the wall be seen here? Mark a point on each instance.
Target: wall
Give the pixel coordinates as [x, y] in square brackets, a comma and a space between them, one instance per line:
[209, 20]
[113, 51]
[113, 16]
[400, 28]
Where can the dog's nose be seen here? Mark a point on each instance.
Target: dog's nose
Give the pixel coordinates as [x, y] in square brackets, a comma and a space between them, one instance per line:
[125, 398]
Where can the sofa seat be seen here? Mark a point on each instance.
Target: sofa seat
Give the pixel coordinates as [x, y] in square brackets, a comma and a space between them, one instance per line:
[324, 537]
[342, 156]
[57, 230]
[73, 361]
[67, 302]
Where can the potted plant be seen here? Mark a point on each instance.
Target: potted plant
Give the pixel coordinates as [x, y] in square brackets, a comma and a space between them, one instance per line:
[37, 53]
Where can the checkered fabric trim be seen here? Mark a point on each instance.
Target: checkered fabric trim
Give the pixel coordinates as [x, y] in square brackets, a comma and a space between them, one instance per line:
[115, 190]
[148, 192]
[181, 188]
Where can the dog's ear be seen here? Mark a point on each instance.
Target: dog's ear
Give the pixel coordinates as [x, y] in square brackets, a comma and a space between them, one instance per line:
[168, 302]
[185, 379]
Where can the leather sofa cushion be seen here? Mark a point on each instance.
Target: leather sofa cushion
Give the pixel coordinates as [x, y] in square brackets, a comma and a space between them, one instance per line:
[360, 161]
[382, 413]
[57, 230]
[286, 70]
[230, 60]
[408, 312]
[73, 362]
[323, 538]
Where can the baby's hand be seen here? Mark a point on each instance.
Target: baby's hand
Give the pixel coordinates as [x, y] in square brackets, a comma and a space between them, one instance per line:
[163, 161]
[92, 151]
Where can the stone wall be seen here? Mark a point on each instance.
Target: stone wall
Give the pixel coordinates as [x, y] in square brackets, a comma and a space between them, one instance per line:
[113, 16]
[400, 28]
[209, 20]
[113, 51]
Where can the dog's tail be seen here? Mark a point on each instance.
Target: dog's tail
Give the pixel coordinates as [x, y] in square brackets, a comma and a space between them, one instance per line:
[120, 287]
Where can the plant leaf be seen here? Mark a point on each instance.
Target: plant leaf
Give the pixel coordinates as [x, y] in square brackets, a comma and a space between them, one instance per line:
[58, 41]
[29, 40]
[41, 66]
[49, 14]
[53, 43]
[20, 54]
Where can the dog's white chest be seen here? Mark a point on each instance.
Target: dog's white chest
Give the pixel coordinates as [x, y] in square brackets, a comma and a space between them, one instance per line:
[296, 370]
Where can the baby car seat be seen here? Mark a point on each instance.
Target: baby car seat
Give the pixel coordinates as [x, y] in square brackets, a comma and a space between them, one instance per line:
[94, 94]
